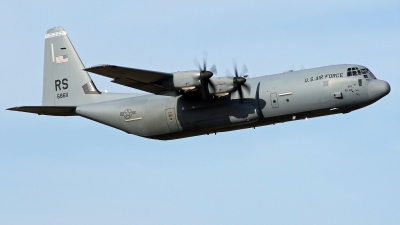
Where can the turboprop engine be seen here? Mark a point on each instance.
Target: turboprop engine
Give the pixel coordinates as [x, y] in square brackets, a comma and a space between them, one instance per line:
[187, 80]
[202, 79]
[222, 86]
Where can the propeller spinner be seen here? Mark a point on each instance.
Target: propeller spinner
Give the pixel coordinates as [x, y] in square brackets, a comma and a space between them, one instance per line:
[240, 81]
[205, 74]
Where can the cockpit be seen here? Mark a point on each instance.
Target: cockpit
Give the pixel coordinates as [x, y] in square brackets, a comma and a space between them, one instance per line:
[355, 71]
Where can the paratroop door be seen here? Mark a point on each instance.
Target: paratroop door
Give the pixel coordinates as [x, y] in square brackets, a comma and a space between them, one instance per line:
[171, 120]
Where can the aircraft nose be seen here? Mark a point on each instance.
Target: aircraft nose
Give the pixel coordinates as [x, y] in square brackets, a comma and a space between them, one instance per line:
[377, 89]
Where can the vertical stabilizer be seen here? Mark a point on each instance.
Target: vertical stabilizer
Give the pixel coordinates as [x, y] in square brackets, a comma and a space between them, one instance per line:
[65, 83]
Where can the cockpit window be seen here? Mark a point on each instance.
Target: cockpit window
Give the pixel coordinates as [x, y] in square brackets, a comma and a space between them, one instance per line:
[369, 73]
[354, 71]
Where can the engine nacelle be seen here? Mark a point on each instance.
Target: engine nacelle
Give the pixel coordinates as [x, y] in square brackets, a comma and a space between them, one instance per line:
[186, 80]
[223, 86]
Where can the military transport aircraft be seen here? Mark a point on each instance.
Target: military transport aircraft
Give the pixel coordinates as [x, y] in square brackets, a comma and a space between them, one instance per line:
[190, 103]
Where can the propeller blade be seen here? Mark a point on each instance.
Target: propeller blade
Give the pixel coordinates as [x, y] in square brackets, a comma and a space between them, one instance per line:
[196, 63]
[205, 61]
[235, 67]
[240, 92]
[213, 69]
[236, 72]
[212, 85]
[229, 73]
[244, 70]
[247, 88]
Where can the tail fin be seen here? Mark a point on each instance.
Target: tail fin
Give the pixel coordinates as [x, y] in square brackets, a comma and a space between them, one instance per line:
[65, 83]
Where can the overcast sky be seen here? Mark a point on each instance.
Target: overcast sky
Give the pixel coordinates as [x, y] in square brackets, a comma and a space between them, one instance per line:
[341, 169]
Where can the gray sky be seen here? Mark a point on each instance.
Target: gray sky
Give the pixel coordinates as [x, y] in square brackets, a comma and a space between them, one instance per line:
[341, 169]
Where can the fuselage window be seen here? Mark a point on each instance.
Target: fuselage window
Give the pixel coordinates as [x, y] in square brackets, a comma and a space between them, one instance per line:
[360, 82]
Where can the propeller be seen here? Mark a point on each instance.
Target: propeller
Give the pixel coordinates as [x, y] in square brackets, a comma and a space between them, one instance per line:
[240, 81]
[205, 74]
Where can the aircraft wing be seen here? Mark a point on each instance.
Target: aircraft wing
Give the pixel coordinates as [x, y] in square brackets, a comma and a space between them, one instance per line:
[145, 80]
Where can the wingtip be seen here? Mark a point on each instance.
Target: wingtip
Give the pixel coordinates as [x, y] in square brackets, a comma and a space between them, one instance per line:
[12, 108]
[97, 66]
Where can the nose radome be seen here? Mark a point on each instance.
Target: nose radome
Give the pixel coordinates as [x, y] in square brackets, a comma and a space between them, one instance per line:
[378, 89]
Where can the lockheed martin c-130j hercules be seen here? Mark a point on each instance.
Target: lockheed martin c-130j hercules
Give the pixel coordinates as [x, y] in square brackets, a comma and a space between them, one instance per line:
[191, 103]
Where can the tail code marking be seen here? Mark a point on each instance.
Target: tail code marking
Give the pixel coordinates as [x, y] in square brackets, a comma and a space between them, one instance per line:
[64, 82]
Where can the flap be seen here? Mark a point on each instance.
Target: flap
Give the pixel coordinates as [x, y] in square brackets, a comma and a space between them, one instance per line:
[47, 110]
[145, 80]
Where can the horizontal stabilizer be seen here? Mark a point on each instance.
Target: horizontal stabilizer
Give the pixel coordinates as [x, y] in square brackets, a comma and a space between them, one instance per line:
[47, 110]
[145, 80]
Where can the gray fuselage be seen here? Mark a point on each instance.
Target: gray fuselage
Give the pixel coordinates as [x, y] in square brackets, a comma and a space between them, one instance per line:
[272, 99]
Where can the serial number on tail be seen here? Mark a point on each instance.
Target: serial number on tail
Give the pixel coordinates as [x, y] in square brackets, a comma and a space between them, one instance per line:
[62, 95]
